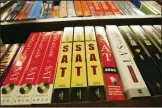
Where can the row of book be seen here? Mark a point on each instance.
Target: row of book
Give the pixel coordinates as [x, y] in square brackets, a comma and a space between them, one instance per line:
[26, 10]
[82, 64]
[148, 7]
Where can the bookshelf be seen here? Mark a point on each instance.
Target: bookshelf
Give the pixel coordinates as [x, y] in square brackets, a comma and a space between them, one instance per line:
[18, 32]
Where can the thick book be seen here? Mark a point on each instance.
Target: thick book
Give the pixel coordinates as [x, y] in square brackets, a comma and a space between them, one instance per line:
[45, 81]
[27, 84]
[61, 92]
[113, 84]
[11, 83]
[148, 71]
[96, 89]
[78, 90]
[148, 45]
[133, 83]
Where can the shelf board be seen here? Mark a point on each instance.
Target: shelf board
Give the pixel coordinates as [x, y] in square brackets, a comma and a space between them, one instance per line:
[81, 19]
[154, 101]
[18, 31]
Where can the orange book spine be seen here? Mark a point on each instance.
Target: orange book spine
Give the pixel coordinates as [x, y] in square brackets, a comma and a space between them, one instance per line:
[85, 7]
[78, 8]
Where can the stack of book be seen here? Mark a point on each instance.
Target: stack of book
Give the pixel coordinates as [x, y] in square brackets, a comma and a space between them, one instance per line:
[83, 64]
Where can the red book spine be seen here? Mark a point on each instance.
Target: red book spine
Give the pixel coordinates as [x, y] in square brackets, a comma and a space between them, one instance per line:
[98, 9]
[114, 8]
[112, 80]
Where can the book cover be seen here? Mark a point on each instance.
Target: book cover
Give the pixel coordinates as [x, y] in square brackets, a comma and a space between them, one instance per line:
[63, 9]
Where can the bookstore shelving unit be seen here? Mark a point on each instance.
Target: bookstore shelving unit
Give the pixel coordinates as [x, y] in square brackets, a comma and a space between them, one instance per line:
[18, 32]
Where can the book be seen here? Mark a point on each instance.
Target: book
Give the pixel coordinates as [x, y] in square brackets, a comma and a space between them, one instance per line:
[68, 35]
[44, 83]
[106, 8]
[85, 8]
[153, 36]
[98, 9]
[147, 45]
[91, 8]
[16, 72]
[70, 9]
[78, 34]
[114, 8]
[113, 84]
[27, 83]
[7, 60]
[144, 7]
[133, 83]
[78, 86]
[78, 8]
[147, 69]
[158, 29]
[61, 93]
[96, 90]
[63, 9]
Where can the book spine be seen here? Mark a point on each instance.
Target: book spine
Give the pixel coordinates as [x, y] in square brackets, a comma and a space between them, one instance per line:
[114, 8]
[63, 9]
[98, 9]
[133, 83]
[96, 90]
[25, 15]
[7, 61]
[106, 8]
[27, 84]
[91, 8]
[85, 8]
[44, 84]
[32, 10]
[78, 90]
[148, 46]
[71, 10]
[113, 85]
[148, 71]
[78, 8]
[158, 29]
[154, 36]
[61, 92]
[16, 72]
